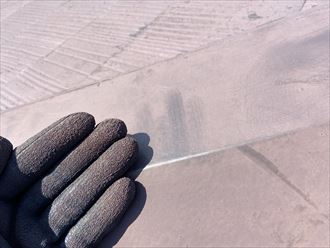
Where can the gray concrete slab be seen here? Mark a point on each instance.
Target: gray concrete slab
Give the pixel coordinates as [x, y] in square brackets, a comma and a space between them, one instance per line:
[50, 47]
[249, 87]
[273, 193]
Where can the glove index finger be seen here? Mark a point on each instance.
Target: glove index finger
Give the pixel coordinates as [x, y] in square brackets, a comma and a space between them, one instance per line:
[5, 151]
[39, 154]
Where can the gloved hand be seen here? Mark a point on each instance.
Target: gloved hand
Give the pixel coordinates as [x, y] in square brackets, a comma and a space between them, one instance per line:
[64, 187]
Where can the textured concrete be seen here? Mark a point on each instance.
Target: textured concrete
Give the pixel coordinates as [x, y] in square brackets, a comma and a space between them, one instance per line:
[244, 88]
[50, 47]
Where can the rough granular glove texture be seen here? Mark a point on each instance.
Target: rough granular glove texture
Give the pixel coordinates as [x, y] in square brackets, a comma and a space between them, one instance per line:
[65, 187]
[5, 151]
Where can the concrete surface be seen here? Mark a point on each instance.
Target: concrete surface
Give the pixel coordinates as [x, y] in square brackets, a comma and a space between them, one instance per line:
[51, 47]
[273, 193]
[248, 87]
[234, 131]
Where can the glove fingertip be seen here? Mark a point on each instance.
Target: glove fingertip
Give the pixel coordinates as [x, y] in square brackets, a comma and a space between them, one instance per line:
[104, 216]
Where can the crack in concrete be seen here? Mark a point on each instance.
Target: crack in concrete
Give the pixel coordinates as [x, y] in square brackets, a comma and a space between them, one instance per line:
[303, 4]
[268, 165]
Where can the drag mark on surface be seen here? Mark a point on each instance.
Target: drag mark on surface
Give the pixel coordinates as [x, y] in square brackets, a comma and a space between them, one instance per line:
[269, 166]
[177, 143]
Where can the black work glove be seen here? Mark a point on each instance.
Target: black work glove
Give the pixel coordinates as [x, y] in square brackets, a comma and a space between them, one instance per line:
[64, 187]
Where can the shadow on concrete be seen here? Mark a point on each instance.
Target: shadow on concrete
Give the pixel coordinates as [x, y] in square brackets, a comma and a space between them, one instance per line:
[145, 155]
[130, 216]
